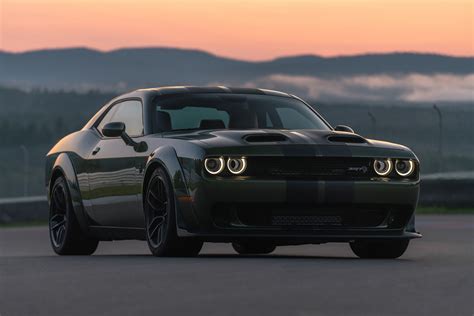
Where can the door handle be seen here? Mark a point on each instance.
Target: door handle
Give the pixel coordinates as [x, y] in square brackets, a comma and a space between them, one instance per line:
[96, 150]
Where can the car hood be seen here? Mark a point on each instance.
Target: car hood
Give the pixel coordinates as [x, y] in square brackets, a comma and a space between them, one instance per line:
[293, 142]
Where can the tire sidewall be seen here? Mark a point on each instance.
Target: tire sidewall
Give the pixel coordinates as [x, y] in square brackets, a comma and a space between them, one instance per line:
[169, 220]
[60, 181]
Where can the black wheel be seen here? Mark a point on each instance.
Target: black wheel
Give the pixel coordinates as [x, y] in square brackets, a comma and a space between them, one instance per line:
[253, 248]
[379, 249]
[64, 231]
[160, 220]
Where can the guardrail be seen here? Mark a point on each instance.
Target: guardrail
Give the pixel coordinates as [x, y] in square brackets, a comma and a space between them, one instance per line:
[23, 209]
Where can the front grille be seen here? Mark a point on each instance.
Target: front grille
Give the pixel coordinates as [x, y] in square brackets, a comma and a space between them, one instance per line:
[309, 167]
[301, 216]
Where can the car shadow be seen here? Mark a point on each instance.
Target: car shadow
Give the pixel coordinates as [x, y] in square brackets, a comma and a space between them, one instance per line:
[237, 257]
[213, 258]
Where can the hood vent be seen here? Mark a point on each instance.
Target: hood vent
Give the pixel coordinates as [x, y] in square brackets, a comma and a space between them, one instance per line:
[351, 139]
[265, 138]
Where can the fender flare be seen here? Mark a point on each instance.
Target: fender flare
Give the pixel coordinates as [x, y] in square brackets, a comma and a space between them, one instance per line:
[63, 165]
[167, 158]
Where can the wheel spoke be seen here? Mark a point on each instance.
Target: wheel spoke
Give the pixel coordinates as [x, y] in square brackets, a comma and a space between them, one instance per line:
[61, 231]
[158, 202]
[58, 218]
[56, 198]
[154, 225]
[59, 199]
[157, 211]
[57, 224]
[162, 193]
[153, 195]
[152, 200]
[159, 235]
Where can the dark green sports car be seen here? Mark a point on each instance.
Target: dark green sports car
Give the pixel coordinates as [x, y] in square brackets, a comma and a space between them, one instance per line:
[179, 166]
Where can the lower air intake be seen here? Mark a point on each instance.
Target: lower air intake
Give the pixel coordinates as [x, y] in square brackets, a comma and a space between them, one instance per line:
[307, 220]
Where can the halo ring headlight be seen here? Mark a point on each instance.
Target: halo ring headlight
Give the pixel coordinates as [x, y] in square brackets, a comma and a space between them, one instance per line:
[237, 165]
[404, 168]
[383, 166]
[214, 165]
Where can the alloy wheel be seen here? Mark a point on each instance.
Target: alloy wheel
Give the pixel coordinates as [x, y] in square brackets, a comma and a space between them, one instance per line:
[157, 211]
[58, 218]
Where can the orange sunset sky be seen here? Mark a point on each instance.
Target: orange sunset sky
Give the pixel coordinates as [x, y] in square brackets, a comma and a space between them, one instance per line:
[254, 30]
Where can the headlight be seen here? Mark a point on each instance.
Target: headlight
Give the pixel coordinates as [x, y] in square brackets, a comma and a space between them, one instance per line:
[404, 168]
[383, 166]
[214, 165]
[237, 165]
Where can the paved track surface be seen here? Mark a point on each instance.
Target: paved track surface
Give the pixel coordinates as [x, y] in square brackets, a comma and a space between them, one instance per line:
[434, 277]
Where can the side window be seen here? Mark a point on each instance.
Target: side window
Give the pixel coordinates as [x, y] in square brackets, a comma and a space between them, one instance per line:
[128, 112]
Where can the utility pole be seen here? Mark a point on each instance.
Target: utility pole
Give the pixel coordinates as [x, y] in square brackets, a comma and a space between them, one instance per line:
[374, 123]
[26, 162]
[440, 136]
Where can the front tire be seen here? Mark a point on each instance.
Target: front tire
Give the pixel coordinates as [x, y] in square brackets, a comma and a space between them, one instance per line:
[379, 249]
[160, 219]
[65, 234]
[248, 248]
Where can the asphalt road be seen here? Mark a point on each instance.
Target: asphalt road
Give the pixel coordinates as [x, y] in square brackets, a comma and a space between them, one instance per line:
[434, 277]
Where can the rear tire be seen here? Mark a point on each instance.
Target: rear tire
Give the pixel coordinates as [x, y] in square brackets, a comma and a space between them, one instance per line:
[160, 219]
[379, 249]
[65, 234]
[248, 248]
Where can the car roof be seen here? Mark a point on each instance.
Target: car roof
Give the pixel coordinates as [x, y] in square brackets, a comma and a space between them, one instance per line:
[202, 89]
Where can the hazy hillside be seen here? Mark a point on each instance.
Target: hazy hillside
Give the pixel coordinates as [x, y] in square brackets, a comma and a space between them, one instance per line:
[125, 69]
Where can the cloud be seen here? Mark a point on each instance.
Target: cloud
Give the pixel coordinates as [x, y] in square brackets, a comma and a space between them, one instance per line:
[411, 87]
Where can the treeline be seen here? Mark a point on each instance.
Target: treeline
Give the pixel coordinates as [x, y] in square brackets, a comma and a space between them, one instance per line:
[42, 117]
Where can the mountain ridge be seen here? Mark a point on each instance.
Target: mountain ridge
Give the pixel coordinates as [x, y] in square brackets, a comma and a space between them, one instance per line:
[82, 68]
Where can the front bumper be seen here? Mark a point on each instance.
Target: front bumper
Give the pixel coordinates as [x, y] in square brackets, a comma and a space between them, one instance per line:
[292, 211]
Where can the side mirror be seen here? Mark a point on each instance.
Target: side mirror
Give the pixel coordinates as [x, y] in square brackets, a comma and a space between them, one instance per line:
[344, 128]
[113, 129]
[117, 129]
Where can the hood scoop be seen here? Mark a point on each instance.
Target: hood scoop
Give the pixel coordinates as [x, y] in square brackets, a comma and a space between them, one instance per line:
[265, 138]
[346, 138]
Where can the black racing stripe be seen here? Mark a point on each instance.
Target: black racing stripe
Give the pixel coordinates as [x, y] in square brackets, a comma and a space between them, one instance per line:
[341, 150]
[339, 192]
[297, 137]
[298, 150]
[301, 192]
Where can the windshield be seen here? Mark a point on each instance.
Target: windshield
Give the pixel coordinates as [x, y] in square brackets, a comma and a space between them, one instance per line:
[233, 111]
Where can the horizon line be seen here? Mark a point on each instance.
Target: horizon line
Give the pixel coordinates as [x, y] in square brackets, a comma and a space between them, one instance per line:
[105, 51]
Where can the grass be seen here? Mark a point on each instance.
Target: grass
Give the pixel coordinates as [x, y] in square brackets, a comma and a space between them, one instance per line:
[24, 224]
[439, 210]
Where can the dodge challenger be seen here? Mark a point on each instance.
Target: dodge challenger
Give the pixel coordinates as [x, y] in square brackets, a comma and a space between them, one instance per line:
[179, 166]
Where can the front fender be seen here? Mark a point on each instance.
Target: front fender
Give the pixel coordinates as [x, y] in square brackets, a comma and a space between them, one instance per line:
[63, 164]
[167, 158]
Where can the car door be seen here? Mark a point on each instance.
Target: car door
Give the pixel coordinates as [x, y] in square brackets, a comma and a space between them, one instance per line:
[113, 170]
